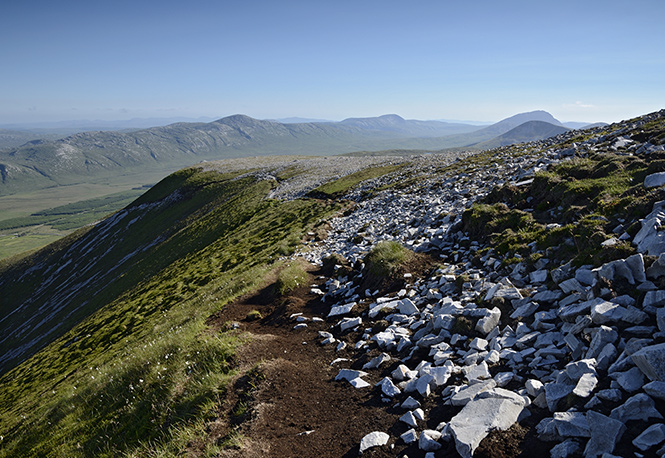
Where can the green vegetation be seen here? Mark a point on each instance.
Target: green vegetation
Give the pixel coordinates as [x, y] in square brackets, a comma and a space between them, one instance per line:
[586, 198]
[134, 369]
[338, 187]
[291, 277]
[386, 258]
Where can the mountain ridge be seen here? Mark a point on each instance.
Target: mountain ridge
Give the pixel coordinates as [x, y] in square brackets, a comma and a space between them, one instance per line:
[39, 164]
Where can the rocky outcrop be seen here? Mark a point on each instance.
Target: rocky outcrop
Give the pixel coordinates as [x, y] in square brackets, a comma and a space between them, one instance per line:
[497, 341]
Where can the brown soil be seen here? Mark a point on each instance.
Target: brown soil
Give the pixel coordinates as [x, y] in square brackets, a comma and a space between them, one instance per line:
[294, 406]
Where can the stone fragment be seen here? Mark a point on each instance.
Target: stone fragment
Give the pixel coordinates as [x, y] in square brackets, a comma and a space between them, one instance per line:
[601, 337]
[653, 435]
[654, 299]
[650, 239]
[607, 312]
[407, 307]
[409, 419]
[429, 440]
[585, 385]
[534, 387]
[410, 436]
[388, 387]
[636, 265]
[577, 369]
[651, 361]
[571, 424]
[638, 407]
[403, 373]
[571, 285]
[482, 415]
[410, 403]
[564, 449]
[377, 361]
[373, 439]
[349, 323]
[538, 276]
[349, 374]
[477, 372]
[486, 324]
[341, 309]
[466, 394]
[654, 180]
[655, 389]
[630, 380]
[605, 434]
[554, 392]
[423, 385]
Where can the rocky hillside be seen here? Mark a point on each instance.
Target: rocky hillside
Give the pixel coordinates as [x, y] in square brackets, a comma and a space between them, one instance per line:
[493, 304]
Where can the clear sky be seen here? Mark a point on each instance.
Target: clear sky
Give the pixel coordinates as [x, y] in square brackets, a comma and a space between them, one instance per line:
[484, 60]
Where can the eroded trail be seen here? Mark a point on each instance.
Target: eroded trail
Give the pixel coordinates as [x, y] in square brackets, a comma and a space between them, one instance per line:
[297, 409]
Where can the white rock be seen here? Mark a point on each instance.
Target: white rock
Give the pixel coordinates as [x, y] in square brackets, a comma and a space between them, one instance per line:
[650, 239]
[478, 344]
[653, 435]
[410, 436]
[377, 361]
[466, 394]
[605, 434]
[577, 369]
[538, 276]
[477, 372]
[429, 440]
[410, 403]
[651, 360]
[654, 180]
[349, 374]
[409, 419]
[534, 387]
[585, 385]
[349, 323]
[486, 324]
[630, 380]
[554, 392]
[564, 449]
[341, 309]
[407, 307]
[607, 312]
[388, 387]
[374, 439]
[403, 373]
[480, 416]
[423, 385]
[571, 424]
[638, 407]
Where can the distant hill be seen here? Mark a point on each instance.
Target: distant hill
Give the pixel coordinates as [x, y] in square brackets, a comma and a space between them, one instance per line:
[526, 132]
[41, 163]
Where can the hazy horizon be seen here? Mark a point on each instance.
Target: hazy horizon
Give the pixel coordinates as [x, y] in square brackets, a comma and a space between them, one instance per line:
[483, 61]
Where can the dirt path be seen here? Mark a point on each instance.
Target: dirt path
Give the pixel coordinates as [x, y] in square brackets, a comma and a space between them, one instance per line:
[294, 408]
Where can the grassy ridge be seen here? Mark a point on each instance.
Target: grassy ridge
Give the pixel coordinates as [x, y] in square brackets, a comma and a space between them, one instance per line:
[143, 364]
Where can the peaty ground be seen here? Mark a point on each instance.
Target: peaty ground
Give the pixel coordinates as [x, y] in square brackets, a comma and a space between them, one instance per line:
[286, 403]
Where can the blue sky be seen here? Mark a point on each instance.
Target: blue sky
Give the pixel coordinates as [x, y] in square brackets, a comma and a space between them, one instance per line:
[476, 60]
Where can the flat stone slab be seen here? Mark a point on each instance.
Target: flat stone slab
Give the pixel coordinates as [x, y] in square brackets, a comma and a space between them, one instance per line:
[374, 439]
[489, 411]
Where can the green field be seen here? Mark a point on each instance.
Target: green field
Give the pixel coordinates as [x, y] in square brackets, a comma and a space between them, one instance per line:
[31, 220]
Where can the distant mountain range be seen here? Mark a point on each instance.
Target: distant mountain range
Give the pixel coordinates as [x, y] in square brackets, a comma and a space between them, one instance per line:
[43, 163]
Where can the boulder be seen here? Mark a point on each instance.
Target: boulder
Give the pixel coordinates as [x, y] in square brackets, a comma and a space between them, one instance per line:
[373, 439]
[653, 435]
[651, 361]
[605, 434]
[489, 411]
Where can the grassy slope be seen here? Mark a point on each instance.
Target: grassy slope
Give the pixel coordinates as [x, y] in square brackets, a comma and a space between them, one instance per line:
[141, 371]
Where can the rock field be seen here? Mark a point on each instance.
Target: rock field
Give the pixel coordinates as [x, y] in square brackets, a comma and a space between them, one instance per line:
[500, 341]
